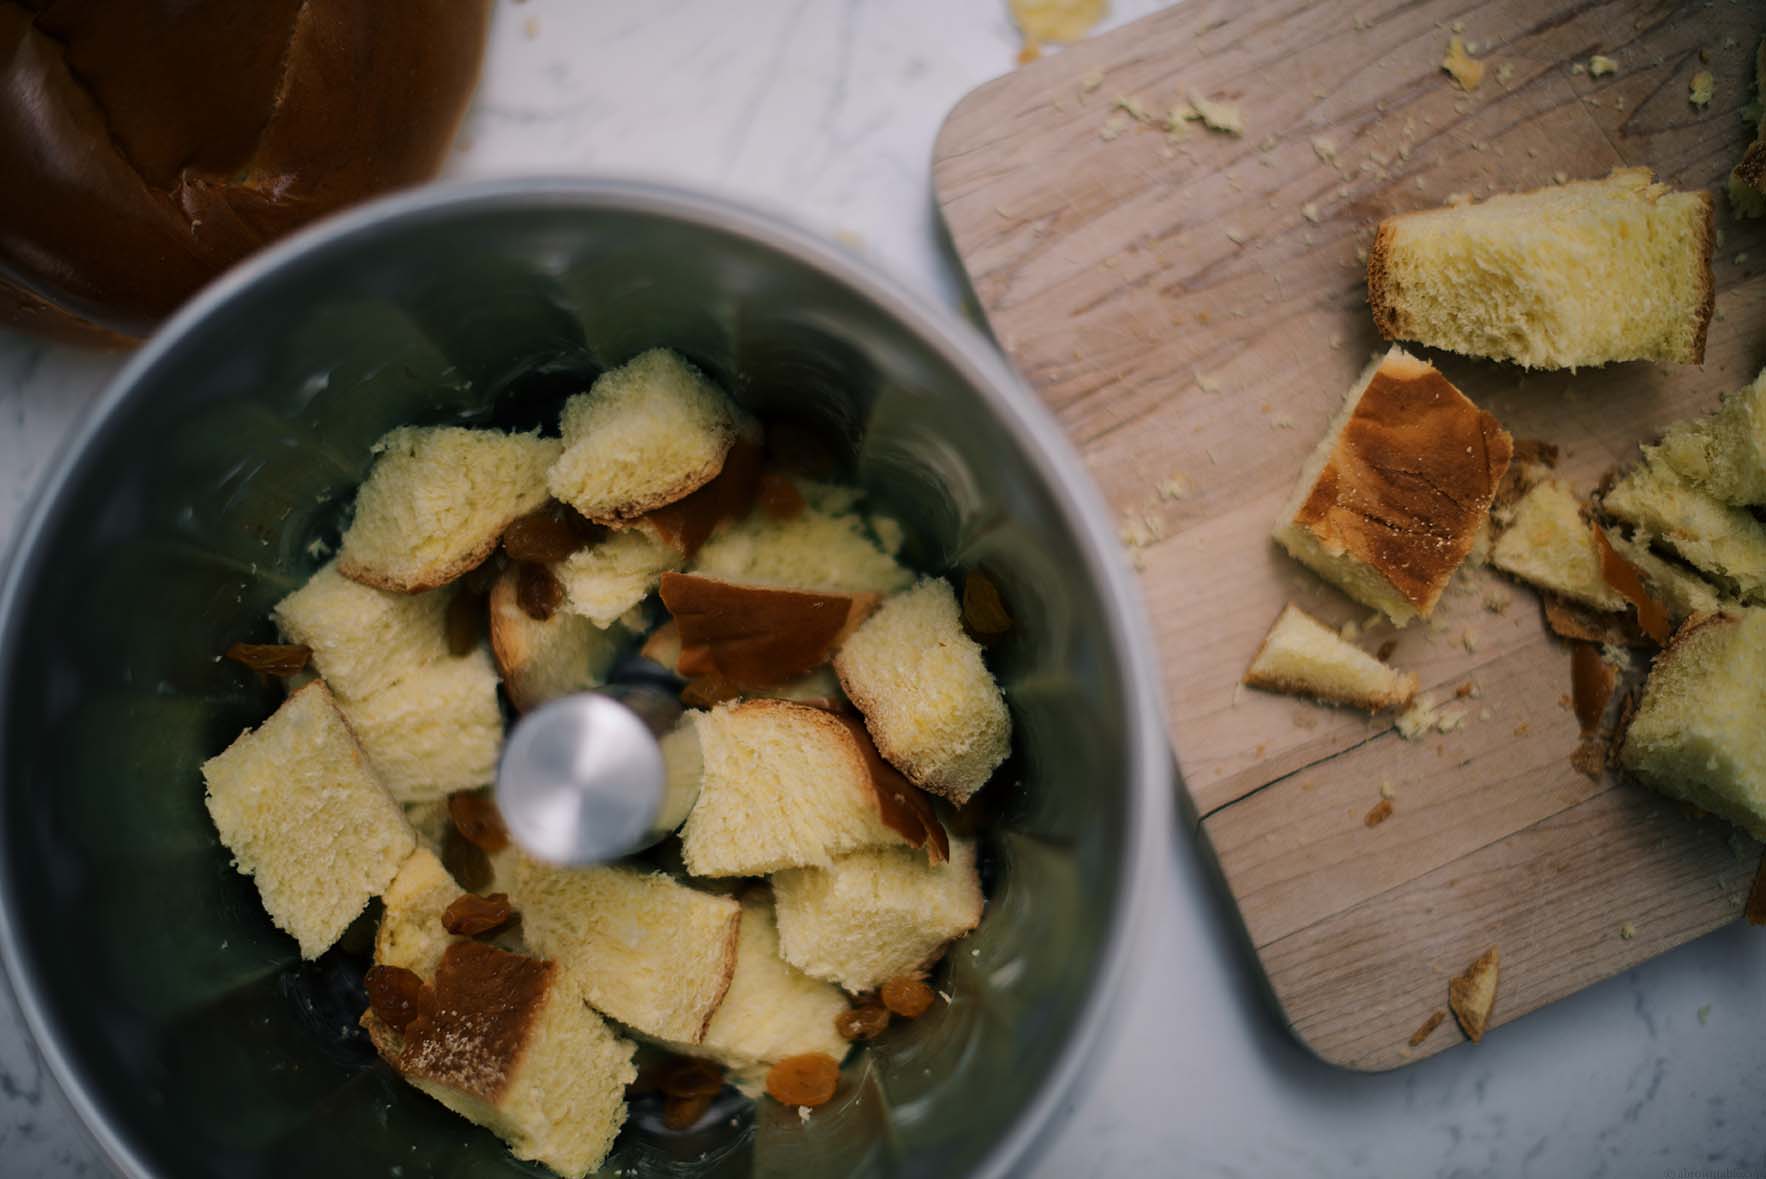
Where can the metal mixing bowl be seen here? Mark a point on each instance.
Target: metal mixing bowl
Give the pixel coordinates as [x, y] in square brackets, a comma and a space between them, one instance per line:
[182, 1025]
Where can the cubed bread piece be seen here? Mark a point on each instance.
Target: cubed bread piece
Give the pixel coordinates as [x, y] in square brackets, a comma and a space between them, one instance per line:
[688, 523]
[824, 546]
[1723, 455]
[437, 731]
[411, 934]
[931, 705]
[756, 636]
[605, 580]
[876, 914]
[646, 434]
[1681, 592]
[510, 1046]
[1747, 181]
[645, 950]
[1576, 274]
[544, 660]
[1700, 731]
[1551, 546]
[1394, 496]
[305, 817]
[1303, 656]
[437, 501]
[363, 639]
[1725, 543]
[784, 785]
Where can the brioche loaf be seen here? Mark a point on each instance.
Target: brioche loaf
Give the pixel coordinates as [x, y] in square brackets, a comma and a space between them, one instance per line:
[1550, 545]
[1302, 655]
[1725, 543]
[825, 547]
[605, 580]
[1700, 730]
[927, 697]
[306, 818]
[1724, 454]
[544, 660]
[411, 934]
[1398, 490]
[876, 914]
[1577, 274]
[436, 503]
[1747, 182]
[363, 639]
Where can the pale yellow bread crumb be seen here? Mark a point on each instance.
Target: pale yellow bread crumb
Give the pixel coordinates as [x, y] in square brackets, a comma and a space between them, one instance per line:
[1725, 543]
[1681, 592]
[877, 914]
[305, 817]
[1551, 546]
[437, 502]
[363, 639]
[1576, 274]
[927, 697]
[1724, 453]
[646, 434]
[439, 730]
[1700, 730]
[824, 547]
[1397, 493]
[607, 579]
[411, 934]
[645, 950]
[1303, 656]
[542, 660]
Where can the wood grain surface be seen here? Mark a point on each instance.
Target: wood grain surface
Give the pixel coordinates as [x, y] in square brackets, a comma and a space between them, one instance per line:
[1193, 308]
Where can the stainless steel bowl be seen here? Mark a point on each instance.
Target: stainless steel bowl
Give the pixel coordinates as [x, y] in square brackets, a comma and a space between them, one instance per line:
[181, 1024]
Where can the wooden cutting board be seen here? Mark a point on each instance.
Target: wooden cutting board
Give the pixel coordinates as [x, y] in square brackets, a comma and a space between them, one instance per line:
[1193, 309]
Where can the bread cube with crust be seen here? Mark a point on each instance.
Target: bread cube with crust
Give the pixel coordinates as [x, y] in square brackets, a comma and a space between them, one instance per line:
[542, 660]
[363, 639]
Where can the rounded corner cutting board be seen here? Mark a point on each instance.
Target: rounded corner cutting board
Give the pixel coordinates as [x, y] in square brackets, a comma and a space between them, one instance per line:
[1193, 309]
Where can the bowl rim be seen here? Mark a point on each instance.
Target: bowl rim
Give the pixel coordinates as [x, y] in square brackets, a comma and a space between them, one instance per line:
[1148, 814]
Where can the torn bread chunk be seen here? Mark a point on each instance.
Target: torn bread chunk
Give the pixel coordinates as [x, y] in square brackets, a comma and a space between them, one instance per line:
[438, 731]
[1747, 181]
[786, 785]
[757, 636]
[1394, 497]
[645, 950]
[1302, 656]
[874, 915]
[605, 580]
[1551, 546]
[306, 818]
[1699, 733]
[363, 639]
[824, 546]
[646, 434]
[539, 660]
[411, 935]
[1682, 592]
[1723, 454]
[928, 699]
[1562, 277]
[508, 1045]
[437, 501]
[1472, 995]
[1727, 544]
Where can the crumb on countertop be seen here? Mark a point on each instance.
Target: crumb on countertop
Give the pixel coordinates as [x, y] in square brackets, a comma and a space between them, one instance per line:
[1703, 87]
[1466, 70]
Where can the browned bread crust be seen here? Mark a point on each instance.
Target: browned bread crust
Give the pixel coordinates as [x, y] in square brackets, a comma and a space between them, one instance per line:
[757, 636]
[1379, 298]
[486, 1004]
[1708, 306]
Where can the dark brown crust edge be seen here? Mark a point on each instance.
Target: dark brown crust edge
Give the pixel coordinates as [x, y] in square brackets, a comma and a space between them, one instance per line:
[1379, 295]
[1707, 246]
[731, 947]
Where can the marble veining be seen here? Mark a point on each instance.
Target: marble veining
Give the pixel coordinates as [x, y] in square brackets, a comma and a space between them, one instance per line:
[826, 111]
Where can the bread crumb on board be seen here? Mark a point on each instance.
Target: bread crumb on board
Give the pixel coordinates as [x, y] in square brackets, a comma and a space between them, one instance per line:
[1466, 70]
[1058, 21]
[1225, 117]
[1428, 1025]
[1702, 88]
[1600, 65]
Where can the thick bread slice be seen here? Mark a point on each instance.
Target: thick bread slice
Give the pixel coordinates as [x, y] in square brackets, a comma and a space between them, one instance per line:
[1398, 491]
[1576, 274]
[411, 934]
[1303, 656]
[510, 1047]
[1724, 454]
[1725, 543]
[306, 818]
[927, 697]
[1682, 592]
[1747, 182]
[825, 547]
[876, 914]
[363, 639]
[437, 501]
[541, 661]
[757, 636]
[646, 434]
[605, 580]
[436, 732]
[1700, 731]
[645, 950]
[1551, 546]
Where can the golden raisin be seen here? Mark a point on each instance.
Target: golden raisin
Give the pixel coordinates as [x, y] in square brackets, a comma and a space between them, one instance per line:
[983, 612]
[271, 658]
[476, 819]
[396, 995]
[806, 1079]
[548, 535]
[464, 622]
[470, 914]
[907, 996]
[683, 1113]
[778, 497]
[537, 592]
[862, 1023]
[689, 1076]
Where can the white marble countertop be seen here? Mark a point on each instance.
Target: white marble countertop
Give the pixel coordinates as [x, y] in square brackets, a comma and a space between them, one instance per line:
[826, 109]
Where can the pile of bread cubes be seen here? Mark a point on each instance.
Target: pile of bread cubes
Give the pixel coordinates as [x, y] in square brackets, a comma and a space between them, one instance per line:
[834, 694]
